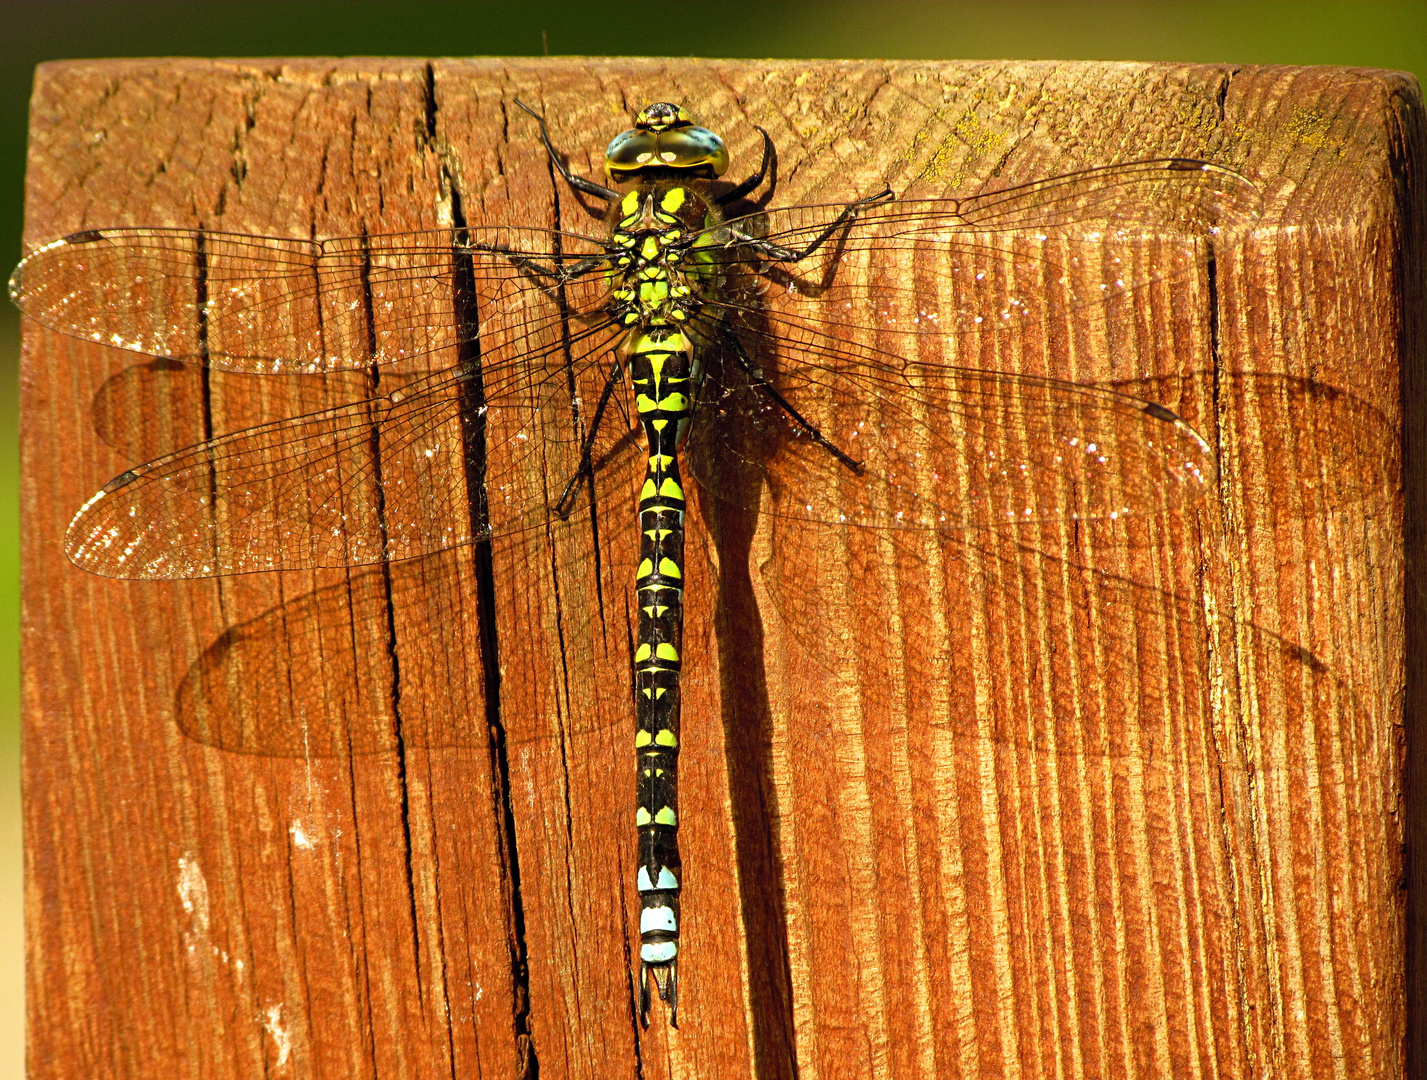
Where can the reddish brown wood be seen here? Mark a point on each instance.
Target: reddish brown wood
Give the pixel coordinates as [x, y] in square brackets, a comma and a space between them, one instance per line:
[1101, 801]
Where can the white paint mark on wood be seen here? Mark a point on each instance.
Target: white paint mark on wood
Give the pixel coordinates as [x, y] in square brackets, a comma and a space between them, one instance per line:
[193, 893]
[277, 1031]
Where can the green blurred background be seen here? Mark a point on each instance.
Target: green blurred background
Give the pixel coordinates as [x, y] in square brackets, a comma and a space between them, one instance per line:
[1388, 35]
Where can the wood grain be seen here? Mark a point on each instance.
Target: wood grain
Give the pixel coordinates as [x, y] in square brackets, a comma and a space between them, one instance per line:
[1107, 800]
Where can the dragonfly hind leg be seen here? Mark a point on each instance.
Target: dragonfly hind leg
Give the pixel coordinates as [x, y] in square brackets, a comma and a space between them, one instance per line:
[760, 381]
[586, 466]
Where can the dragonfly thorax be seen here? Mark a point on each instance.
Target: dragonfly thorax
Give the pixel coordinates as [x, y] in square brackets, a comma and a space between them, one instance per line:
[660, 253]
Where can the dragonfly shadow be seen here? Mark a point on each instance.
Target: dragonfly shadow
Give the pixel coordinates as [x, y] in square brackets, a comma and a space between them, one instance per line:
[1093, 652]
[748, 738]
[150, 409]
[154, 408]
[1317, 446]
[313, 677]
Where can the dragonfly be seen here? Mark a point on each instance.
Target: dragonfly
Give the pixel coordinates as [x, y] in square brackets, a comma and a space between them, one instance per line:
[800, 360]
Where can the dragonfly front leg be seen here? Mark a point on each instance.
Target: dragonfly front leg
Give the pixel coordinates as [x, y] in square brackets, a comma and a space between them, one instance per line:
[757, 178]
[579, 183]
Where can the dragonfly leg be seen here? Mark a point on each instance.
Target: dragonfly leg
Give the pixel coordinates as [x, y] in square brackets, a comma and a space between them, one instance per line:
[548, 274]
[760, 381]
[586, 467]
[757, 178]
[778, 253]
[579, 183]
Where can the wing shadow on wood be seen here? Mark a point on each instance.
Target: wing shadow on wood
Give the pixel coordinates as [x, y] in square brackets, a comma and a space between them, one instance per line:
[305, 679]
[763, 796]
[150, 409]
[311, 677]
[1318, 446]
[820, 684]
[154, 408]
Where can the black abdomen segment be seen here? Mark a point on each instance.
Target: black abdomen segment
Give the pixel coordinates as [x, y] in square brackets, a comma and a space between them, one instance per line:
[662, 369]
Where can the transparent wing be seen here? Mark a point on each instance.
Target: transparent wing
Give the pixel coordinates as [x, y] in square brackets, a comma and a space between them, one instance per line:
[994, 261]
[450, 459]
[938, 446]
[859, 346]
[1183, 194]
[270, 305]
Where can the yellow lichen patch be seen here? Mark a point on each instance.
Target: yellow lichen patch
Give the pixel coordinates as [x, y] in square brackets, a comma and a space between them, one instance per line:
[977, 136]
[1313, 127]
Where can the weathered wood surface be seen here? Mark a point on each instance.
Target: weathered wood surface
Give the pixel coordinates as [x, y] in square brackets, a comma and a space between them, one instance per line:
[1099, 801]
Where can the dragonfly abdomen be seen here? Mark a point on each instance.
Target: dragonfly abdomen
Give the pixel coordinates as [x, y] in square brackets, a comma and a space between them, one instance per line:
[663, 370]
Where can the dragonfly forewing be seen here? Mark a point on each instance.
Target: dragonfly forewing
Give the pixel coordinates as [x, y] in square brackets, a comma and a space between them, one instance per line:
[269, 305]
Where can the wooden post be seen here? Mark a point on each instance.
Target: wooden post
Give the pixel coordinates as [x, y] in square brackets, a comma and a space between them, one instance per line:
[1097, 800]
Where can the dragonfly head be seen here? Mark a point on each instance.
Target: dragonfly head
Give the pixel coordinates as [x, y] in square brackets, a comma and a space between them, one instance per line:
[665, 137]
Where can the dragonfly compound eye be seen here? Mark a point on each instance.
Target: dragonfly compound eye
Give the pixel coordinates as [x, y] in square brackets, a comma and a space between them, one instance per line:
[665, 137]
